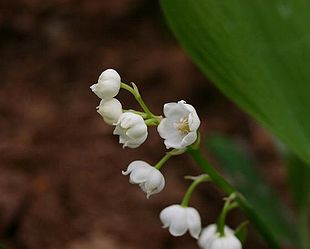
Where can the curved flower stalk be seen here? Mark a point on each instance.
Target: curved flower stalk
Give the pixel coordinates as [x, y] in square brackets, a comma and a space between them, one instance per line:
[179, 219]
[150, 180]
[211, 239]
[131, 129]
[179, 127]
[108, 86]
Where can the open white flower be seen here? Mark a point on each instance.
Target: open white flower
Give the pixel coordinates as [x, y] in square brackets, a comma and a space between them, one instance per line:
[179, 127]
[110, 110]
[180, 219]
[131, 129]
[211, 239]
[150, 179]
[108, 86]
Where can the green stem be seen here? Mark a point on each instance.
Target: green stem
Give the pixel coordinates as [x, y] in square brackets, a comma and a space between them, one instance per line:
[163, 160]
[151, 122]
[240, 199]
[128, 88]
[134, 91]
[229, 205]
[142, 114]
[189, 192]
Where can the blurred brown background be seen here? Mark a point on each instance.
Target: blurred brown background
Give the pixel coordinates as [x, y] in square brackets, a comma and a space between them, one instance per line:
[60, 166]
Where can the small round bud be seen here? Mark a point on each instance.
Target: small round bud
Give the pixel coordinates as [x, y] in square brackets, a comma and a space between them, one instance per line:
[108, 86]
[110, 110]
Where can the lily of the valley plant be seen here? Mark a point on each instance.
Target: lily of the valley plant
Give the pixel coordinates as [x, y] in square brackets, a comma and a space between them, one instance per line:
[178, 126]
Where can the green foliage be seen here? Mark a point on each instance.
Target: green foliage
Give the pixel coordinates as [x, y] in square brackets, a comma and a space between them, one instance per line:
[257, 52]
[299, 181]
[237, 164]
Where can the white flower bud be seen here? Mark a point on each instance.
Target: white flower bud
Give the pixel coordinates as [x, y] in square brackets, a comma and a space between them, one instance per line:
[180, 219]
[179, 127]
[110, 110]
[211, 239]
[150, 179]
[108, 86]
[131, 129]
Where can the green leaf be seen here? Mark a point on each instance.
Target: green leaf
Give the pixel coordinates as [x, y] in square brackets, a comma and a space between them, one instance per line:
[299, 181]
[256, 52]
[239, 167]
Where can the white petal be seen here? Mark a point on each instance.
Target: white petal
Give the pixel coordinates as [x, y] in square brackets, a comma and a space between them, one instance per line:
[234, 242]
[166, 215]
[117, 130]
[109, 74]
[127, 119]
[133, 165]
[137, 131]
[134, 143]
[175, 110]
[209, 238]
[228, 230]
[110, 110]
[189, 139]
[193, 121]
[166, 128]
[97, 90]
[154, 183]
[226, 242]
[178, 225]
[140, 174]
[193, 221]
[131, 129]
[174, 217]
[207, 235]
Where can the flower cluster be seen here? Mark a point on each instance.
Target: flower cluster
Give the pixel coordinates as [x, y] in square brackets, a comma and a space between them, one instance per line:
[178, 126]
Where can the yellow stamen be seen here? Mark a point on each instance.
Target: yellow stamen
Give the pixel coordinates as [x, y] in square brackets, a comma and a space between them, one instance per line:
[183, 126]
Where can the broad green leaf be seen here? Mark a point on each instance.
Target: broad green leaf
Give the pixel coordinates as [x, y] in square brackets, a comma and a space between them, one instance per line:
[239, 168]
[299, 181]
[257, 52]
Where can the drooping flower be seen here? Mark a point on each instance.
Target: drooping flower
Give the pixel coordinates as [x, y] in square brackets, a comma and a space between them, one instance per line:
[110, 110]
[180, 219]
[211, 239]
[150, 179]
[108, 86]
[131, 129]
[179, 127]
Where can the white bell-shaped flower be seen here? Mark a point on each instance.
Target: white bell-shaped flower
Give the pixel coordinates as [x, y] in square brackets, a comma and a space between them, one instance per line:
[131, 129]
[150, 179]
[211, 239]
[110, 110]
[179, 127]
[108, 86]
[180, 219]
